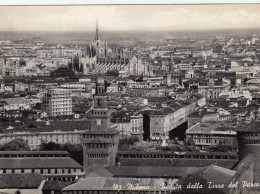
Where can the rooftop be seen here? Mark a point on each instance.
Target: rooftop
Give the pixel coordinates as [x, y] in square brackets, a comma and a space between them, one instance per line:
[212, 128]
[251, 127]
[39, 163]
[41, 126]
[21, 181]
[214, 174]
[152, 171]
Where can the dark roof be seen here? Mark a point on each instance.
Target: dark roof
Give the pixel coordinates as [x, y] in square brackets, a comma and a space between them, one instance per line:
[186, 153]
[98, 132]
[107, 184]
[55, 185]
[251, 127]
[162, 111]
[243, 166]
[256, 95]
[38, 163]
[34, 126]
[238, 110]
[156, 99]
[179, 162]
[214, 174]
[201, 113]
[228, 103]
[34, 153]
[97, 171]
[152, 171]
[21, 181]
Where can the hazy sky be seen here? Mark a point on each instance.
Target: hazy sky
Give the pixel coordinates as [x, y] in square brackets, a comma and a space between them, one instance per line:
[128, 17]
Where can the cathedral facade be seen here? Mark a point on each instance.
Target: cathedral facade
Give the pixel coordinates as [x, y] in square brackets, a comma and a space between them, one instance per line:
[98, 58]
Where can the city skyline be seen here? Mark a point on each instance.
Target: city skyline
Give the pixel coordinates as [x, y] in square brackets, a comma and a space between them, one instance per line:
[129, 17]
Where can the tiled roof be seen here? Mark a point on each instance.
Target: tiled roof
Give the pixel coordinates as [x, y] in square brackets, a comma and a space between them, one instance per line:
[107, 132]
[55, 185]
[156, 99]
[34, 153]
[214, 174]
[21, 181]
[201, 114]
[106, 183]
[98, 171]
[38, 163]
[251, 127]
[34, 126]
[186, 153]
[152, 171]
[228, 103]
[244, 165]
[179, 162]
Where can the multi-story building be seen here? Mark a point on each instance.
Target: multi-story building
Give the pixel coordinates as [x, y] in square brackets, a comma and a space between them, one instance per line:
[35, 139]
[212, 90]
[129, 124]
[206, 135]
[137, 128]
[57, 102]
[158, 123]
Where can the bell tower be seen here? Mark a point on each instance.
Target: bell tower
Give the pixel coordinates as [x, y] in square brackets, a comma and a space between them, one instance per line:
[97, 32]
[100, 115]
[100, 143]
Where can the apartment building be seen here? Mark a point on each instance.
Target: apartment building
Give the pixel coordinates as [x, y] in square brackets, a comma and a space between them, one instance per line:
[57, 102]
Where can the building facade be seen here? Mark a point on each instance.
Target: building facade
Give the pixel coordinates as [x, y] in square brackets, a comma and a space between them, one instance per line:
[35, 139]
[57, 102]
[207, 135]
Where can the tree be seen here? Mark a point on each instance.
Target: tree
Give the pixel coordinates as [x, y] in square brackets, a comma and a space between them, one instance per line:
[49, 146]
[127, 143]
[72, 147]
[17, 144]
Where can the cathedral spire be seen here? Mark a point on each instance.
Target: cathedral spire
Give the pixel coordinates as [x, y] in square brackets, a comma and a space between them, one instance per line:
[97, 31]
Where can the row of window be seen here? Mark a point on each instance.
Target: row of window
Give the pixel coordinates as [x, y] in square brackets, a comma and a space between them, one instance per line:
[252, 134]
[97, 135]
[251, 141]
[97, 155]
[41, 171]
[177, 156]
[95, 145]
[97, 113]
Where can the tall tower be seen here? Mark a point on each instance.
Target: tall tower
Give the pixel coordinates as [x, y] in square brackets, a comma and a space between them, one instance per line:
[100, 115]
[100, 143]
[97, 32]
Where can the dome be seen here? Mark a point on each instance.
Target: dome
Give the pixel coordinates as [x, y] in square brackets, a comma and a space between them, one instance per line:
[100, 80]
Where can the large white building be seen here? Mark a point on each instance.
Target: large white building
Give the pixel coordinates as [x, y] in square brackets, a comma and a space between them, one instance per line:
[57, 102]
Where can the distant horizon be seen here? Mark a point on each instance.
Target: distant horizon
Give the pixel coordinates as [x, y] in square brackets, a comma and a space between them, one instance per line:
[143, 30]
[129, 17]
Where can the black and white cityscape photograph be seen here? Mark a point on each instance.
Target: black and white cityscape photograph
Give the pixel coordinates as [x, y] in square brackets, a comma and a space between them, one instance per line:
[130, 99]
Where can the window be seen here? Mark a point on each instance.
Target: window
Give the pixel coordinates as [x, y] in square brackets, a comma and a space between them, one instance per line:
[99, 122]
